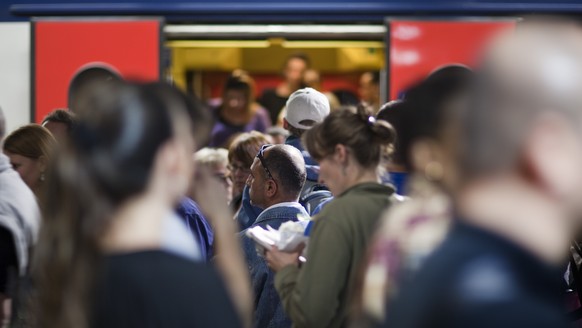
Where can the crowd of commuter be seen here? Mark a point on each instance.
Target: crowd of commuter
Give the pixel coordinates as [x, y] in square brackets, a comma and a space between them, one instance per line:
[454, 206]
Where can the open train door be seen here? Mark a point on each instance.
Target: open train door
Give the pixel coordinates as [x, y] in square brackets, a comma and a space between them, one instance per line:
[63, 48]
[416, 47]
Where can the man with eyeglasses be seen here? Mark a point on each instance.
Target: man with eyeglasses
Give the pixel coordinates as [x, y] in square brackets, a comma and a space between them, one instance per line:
[275, 183]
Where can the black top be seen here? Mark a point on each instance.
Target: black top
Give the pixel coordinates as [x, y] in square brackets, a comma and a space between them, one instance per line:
[273, 103]
[157, 289]
[8, 262]
[478, 279]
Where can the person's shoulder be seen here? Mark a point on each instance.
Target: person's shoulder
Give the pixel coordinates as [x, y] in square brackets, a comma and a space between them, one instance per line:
[368, 190]
[373, 189]
[187, 204]
[471, 279]
[188, 208]
[447, 276]
[365, 197]
[16, 199]
[13, 185]
[487, 289]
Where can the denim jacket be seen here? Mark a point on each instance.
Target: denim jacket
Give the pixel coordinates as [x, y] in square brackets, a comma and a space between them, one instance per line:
[268, 309]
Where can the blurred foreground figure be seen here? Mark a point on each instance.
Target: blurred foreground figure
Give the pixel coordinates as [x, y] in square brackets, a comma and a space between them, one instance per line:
[103, 259]
[517, 191]
[85, 82]
[410, 231]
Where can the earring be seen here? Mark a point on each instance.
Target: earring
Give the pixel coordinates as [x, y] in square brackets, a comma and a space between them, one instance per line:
[434, 171]
[42, 178]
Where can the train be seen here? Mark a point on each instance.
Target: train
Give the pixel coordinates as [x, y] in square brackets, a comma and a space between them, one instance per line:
[195, 44]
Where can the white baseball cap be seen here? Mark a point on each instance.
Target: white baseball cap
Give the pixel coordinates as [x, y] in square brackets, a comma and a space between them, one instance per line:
[306, 104]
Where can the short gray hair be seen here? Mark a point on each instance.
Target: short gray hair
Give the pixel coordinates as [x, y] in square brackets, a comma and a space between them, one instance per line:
[211, 157]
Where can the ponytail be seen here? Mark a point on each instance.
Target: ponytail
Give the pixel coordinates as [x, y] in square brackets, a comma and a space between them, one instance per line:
[382, 132]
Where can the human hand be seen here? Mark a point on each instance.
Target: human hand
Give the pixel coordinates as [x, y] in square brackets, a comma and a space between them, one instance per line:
[277, 260]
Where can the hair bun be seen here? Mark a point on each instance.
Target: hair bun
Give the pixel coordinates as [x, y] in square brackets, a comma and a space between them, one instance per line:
[383, 131]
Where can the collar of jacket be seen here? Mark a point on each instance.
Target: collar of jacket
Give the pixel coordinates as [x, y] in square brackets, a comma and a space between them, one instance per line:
[288, 210]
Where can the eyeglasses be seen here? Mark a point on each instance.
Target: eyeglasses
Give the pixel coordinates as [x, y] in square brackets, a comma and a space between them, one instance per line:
[261, 158]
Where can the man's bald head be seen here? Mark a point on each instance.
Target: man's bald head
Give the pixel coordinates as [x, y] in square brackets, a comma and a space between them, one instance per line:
[535, 69]
[288, 166]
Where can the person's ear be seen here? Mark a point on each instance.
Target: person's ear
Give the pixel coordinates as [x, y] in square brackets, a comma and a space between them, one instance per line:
[552, 155]
[285, 124]
[271, 188]
[42, 163]
[340, 154]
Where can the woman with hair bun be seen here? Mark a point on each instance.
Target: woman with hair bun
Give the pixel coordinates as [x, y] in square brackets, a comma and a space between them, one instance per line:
[348, 145]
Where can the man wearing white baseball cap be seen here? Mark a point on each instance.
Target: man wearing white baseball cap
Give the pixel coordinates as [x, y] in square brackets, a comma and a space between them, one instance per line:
[305, 108]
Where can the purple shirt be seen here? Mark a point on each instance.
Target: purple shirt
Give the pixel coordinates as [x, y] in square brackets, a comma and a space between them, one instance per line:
[223, 131]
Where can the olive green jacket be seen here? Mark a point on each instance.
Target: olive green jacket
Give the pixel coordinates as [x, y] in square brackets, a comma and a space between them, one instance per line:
[318, 294]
